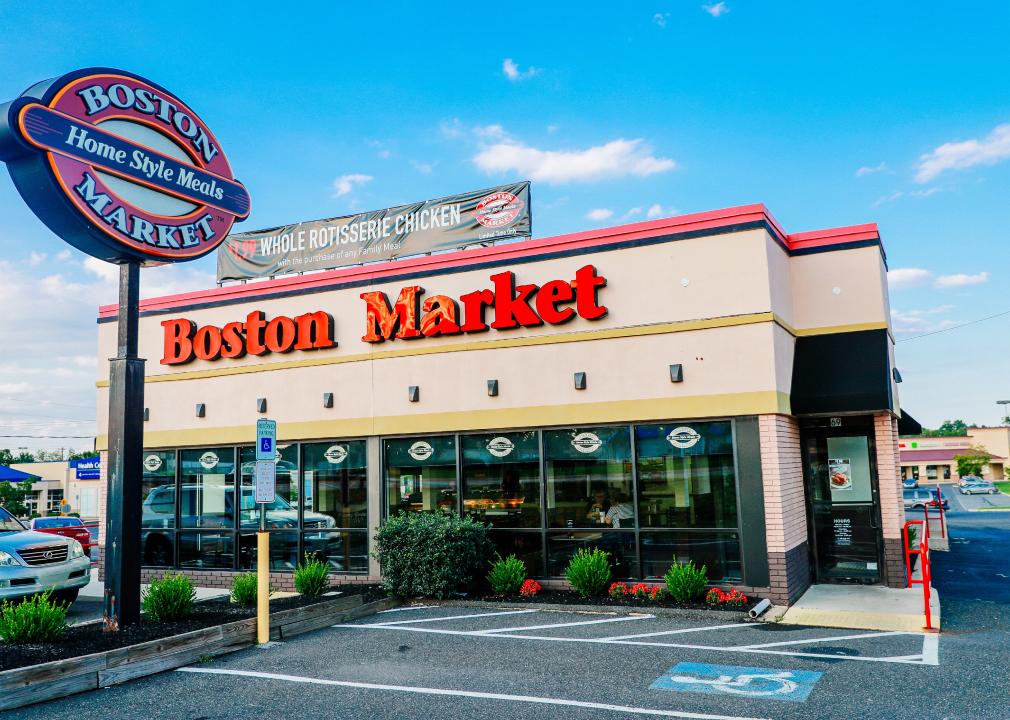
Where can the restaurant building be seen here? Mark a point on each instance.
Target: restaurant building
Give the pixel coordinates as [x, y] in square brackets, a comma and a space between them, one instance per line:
[703, 387]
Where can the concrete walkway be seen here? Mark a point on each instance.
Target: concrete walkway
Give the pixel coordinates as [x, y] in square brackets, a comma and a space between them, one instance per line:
[96, 590]
[864, 607]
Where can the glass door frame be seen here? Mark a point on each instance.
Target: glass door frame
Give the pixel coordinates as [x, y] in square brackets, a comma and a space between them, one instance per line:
[819, 430]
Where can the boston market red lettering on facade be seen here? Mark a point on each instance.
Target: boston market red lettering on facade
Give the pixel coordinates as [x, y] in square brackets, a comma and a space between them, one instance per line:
[513, 305]
[553, 303]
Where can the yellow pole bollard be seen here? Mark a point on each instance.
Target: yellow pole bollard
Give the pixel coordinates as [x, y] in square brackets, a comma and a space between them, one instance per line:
[263, 580]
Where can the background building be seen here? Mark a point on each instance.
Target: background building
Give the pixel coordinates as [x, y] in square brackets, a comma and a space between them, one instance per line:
[933, 459]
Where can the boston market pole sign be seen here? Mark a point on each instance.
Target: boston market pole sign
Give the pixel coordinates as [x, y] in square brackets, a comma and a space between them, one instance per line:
[126, 172]
[120, 168]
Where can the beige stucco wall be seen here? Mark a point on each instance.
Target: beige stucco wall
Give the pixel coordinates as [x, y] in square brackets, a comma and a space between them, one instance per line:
[727, 307]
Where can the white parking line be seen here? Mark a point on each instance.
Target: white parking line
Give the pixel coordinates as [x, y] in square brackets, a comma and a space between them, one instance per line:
[682, 630]
[456, 617]
[907, 660]
[467, 693]
[819, 640]
[931, 649]
[495, 631]
[405, 609]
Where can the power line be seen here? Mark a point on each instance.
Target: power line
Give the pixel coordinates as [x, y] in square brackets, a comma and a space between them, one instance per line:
[955, 327]
[51, 437]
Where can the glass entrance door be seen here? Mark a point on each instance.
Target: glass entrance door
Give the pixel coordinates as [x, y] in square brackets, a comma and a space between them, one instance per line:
[844, 512]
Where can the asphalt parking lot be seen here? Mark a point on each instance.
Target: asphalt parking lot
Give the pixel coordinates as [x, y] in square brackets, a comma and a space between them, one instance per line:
[465, 662]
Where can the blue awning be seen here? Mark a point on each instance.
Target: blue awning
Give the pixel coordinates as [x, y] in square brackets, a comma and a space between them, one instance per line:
[11, 475]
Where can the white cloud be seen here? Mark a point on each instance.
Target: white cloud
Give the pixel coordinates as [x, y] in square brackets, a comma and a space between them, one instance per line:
[617, 158]
[513, 73]
[920, 321]
[423, 167]
[961, 280]
[992, 149]
[599, 214]
[632, 212]
[910, 194]
[451, 129]
[907, 277]
[552, 128]
[868, 170]
[345, 183]
[490, 132]
[36, 259]
[716, 9]
[660, 19]
[656, 210]
[63, 255]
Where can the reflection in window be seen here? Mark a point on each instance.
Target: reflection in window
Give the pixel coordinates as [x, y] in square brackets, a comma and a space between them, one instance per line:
[619, 545]
[207, 549]
[501, 478]
[283, 513]
[158, 490]
[335, 480]
[421, 474]
[525, 545]
[207, 491]
[685, 475]
[589, 478]
[283, 550]
[719, 552]
[345, 551]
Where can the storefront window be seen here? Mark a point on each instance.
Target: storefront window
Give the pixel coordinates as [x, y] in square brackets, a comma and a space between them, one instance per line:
[589, 478]
[931, 473]
[618, 544]
[421, 474]
[524, 544]
[283, 550]
[685, 475]
[53, 500]
[335, 481]
[501, 479]
[719, 552]
[207, 491]
[346, 551]
[207, 550]
[283, 513]
[946, 472]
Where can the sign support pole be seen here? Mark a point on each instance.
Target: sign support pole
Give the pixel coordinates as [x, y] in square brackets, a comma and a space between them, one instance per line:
[263, 579]
[124, 474]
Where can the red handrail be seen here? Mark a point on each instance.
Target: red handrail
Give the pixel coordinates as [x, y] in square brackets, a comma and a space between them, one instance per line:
[923, 552]
[939, 505]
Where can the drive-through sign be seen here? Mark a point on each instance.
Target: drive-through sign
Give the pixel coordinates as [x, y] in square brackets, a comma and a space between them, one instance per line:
[266, 439]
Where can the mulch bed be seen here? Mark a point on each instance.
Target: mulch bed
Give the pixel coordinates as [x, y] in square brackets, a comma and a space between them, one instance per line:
[567, 597]
[88, 638]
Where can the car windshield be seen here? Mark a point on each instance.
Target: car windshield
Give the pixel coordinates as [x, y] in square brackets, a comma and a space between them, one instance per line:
[56, 522]
[9, 523]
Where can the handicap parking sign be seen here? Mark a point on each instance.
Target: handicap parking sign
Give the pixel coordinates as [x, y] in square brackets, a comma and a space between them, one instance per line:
[734, 680]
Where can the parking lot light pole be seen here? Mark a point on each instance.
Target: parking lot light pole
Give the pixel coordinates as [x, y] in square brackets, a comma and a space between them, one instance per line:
[1005, 419]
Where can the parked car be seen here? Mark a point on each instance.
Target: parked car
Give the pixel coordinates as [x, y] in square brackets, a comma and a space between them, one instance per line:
[919, 498]
[909, 483]
[969, 480]
[67, 527]
[32, 562]
[937, 498]
[982, 487]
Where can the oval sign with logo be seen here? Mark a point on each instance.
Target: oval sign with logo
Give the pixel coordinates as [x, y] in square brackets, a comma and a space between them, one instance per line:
[153, 463]
[587, 442]
[421, 450]
[683, 437]
[500, 446]
[120, 168]
[498, 209]
[209, 460]
[335, 454]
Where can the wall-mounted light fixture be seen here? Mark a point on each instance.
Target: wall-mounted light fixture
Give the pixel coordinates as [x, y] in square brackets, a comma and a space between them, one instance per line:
[201, 410]
[492, 388]
[896, 375]
[261, 405]
[677, 373]
[413, 393]
[580, 381]
[147, 414]
[327, 400]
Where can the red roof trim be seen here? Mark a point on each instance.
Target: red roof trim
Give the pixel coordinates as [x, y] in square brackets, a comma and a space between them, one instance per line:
[712, 219]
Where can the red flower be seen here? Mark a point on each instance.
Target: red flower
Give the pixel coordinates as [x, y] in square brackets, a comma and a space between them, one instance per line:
[530, 588]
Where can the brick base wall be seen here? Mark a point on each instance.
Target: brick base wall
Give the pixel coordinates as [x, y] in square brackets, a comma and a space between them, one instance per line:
[893, 572]
[223, 578]
[789, 573]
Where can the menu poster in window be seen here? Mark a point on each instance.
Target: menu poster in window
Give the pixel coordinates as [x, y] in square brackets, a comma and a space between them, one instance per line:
[840, 473]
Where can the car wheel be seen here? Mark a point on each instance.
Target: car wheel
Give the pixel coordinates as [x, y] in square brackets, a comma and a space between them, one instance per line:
[992, 492]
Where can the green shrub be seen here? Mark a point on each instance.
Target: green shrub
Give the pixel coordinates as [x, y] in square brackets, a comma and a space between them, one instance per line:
[312, 578]
[431, 554]
[685, 581]
[589, 572]
[507, 575]
[243, 589]
[169, 599]
[38, 619]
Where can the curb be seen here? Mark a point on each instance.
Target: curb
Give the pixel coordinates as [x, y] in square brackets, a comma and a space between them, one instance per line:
[61, 678]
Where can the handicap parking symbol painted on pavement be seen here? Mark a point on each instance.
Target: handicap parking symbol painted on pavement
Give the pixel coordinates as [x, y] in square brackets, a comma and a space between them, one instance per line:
[760, 683]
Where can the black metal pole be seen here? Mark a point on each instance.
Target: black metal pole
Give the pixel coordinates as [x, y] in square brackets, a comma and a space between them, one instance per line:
[126, 444]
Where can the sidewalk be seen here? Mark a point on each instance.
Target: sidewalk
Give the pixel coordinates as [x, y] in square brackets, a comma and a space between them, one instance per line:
[864, 607]
[96, 590]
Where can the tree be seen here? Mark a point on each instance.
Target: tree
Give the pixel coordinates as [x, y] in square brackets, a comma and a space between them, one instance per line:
[970, 464]
[12, 496]
[949, 428]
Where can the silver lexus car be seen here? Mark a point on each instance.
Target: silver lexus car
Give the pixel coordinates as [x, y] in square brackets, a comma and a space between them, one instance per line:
[33, 562]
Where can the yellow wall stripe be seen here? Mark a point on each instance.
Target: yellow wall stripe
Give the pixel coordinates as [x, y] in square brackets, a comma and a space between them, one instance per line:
[698, 406]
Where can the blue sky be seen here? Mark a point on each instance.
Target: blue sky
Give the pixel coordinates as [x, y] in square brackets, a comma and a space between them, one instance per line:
[829, 114]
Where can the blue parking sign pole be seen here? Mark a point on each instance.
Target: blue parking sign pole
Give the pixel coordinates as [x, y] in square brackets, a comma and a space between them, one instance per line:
[266, 449]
